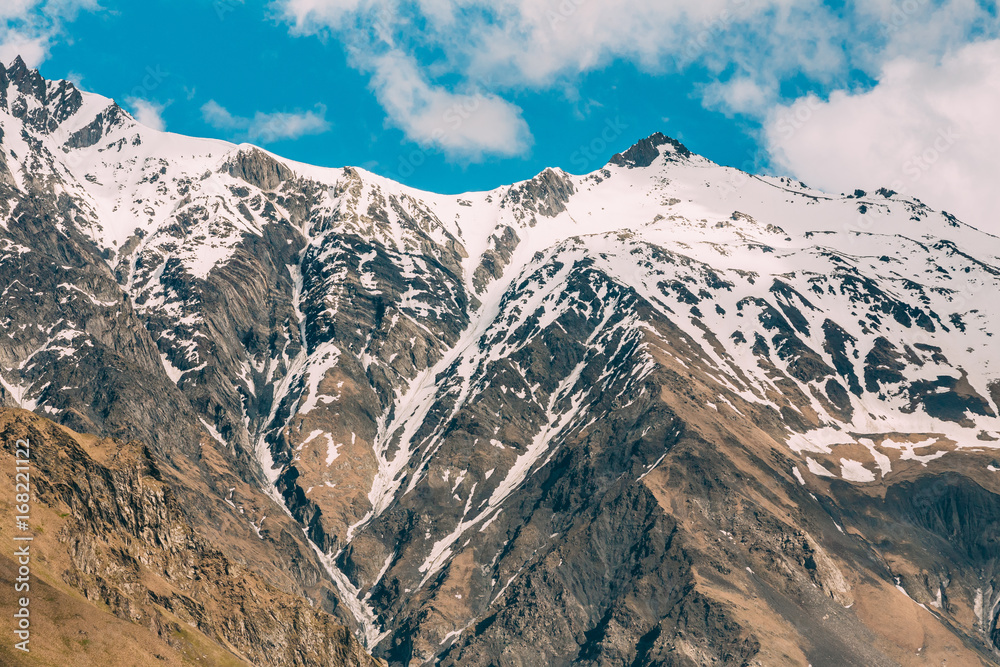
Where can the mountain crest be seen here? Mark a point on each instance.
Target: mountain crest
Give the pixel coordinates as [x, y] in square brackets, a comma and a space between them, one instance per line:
[29, 81]
[38, 102]
[645, 151]
[642, 416]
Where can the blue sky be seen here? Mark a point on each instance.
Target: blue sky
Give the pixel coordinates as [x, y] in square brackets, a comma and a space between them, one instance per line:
[247, 61]
[456, 95]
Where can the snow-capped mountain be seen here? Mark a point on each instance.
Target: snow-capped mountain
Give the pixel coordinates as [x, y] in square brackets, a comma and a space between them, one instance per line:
[663, 413]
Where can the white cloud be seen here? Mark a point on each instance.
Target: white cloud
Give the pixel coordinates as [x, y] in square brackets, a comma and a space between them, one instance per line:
[538, 42]
[17, 9]
[464, 125]
[535, 42]
[496, 46]
[914, 28]
[33, 49]
[309, 15]
[501, 45]
[740, 95]
[744, 49]
[29, 27]
[218, 116]
[927, 129]
[266, 127]
[147, 112]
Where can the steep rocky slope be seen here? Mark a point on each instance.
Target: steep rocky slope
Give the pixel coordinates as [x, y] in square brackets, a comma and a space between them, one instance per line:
[107, 531]
[663, 413]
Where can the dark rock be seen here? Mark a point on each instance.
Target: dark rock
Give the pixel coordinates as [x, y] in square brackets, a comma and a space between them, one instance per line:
[257, 168]
[645, 152]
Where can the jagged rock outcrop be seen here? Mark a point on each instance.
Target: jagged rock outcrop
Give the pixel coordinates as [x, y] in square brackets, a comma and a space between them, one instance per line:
[120, 538]
[645, 152]
[257, 168]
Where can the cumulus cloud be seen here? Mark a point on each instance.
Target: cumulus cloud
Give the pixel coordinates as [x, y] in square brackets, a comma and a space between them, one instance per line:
[147, 112]
[29, 27]
[33, 49]
[17, 9]
[740, 95]
[266, 128]
[536, 41]
[744, 51]
[889, 29]
[219, 117]
[463, 124]
[927, 129]
[498, 46]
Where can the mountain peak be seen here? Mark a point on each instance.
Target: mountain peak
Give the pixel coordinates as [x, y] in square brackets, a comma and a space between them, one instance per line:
[27, 80]
[645, 151]
[56, 101]
[18, 65]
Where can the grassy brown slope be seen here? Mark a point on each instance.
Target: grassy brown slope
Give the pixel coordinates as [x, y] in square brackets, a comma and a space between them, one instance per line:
[121, 578]
[68, 629]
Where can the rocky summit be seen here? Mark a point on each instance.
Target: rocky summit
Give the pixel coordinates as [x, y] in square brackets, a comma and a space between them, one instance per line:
[665, 413]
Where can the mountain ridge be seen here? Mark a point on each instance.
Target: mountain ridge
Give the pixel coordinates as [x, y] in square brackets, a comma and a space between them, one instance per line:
[555, 421]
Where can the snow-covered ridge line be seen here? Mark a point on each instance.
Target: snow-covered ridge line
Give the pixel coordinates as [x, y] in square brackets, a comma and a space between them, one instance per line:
[389, 353]
[156, 199]
[176, 176]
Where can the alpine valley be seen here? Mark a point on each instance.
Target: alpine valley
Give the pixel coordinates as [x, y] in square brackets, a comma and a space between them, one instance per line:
[665, 413]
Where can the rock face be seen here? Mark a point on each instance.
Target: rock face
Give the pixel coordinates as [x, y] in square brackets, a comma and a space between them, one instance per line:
[665, 413]
[114, 527]
[645, 152]
[258, 169]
